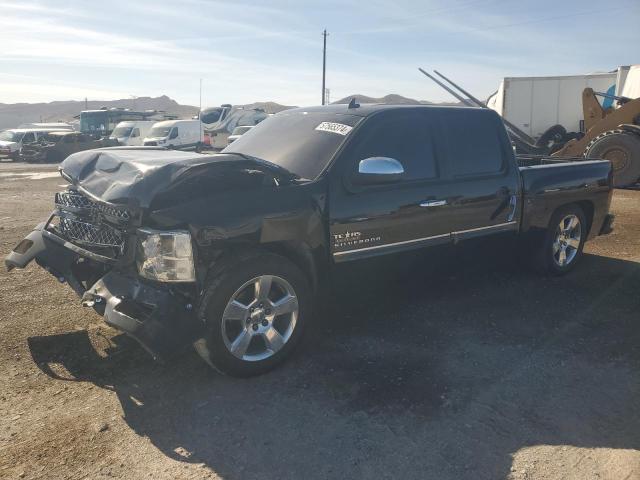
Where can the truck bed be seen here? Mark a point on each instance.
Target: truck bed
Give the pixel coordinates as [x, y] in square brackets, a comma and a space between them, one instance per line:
[526, 160]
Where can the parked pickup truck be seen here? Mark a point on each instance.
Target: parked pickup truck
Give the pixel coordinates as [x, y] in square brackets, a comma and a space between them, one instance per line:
[227, 251]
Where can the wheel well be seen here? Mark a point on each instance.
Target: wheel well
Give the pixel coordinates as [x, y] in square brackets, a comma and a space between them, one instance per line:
[301, 255]
[587, 207]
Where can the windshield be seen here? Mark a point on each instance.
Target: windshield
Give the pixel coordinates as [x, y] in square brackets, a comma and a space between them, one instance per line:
[122, 132]
[50, 138]
[302, 142]
[211, 115]
[159, 132]
[9, 136]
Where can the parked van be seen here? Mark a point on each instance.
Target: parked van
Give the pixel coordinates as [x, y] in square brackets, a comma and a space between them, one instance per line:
[12, 140]
[132, 133]
[178, 134]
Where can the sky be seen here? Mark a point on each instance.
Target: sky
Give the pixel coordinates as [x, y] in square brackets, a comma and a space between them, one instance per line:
[246, 51]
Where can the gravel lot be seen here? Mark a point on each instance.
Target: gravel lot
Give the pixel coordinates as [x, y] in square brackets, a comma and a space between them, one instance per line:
[449, 364]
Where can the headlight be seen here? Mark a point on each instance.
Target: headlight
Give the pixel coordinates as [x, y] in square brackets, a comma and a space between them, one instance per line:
[166, 256]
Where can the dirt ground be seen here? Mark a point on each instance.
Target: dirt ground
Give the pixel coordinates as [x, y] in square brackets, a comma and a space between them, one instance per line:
[449, 364]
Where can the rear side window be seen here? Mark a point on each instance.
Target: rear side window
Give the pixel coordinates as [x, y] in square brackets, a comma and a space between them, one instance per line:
[472, 142]
[404, 136]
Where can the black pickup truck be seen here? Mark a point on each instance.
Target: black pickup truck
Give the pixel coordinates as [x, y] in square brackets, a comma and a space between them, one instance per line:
[227, 251]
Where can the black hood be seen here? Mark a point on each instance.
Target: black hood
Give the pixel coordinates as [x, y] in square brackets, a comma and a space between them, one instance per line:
[137, 176]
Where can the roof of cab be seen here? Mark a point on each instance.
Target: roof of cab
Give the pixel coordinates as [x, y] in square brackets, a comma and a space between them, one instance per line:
[366, 109]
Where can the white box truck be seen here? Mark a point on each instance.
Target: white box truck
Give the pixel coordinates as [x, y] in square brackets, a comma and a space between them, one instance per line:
[535, 104]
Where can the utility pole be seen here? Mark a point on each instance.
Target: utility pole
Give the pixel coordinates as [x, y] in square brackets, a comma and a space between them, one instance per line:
[324, 64]
[200, 110]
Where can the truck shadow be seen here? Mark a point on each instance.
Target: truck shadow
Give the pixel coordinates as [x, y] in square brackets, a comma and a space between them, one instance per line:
[422, 366]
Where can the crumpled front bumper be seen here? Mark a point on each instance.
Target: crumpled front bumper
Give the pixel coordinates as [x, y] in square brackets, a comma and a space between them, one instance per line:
[159, 318]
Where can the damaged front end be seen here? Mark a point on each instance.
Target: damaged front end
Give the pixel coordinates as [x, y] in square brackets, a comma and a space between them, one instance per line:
[122, 271]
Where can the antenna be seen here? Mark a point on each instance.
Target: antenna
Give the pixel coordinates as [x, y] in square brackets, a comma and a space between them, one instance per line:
[324, 65]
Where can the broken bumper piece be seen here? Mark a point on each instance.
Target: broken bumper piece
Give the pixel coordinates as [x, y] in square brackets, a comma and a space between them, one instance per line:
[161, 320]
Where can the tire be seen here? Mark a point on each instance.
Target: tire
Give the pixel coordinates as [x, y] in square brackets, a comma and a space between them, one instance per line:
[623, 150]
[551, 136]
[244, 336]
[548, 259]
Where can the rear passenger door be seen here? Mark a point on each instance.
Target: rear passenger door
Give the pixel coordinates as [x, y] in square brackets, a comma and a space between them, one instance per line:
[367, 220]
[483, 182]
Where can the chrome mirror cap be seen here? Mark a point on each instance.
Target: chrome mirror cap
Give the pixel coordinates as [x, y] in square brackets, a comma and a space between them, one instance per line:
[380, 166]
[377, 170]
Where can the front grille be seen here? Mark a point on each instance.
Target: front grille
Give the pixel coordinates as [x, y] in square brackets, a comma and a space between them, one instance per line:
[73, 199]
[90, 234]
[88, 223]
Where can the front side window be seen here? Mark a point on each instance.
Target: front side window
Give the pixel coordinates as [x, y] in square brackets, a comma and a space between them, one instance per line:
[174, 133]
[403, 136]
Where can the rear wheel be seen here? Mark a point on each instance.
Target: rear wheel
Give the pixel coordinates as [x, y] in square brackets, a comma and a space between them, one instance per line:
[622, 149]
[255, 309]
[561, 248]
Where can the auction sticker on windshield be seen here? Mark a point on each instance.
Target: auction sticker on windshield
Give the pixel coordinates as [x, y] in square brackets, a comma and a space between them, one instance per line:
[332, 127]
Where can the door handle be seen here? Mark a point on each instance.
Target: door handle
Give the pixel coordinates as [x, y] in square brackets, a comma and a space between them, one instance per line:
[433, 203]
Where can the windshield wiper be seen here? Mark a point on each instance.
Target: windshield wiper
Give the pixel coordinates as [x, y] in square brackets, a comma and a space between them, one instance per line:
[288, 174]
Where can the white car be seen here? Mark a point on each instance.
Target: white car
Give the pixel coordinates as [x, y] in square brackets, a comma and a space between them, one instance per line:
[132, 133]
[12, 140]
[178, 134]
[238, 132]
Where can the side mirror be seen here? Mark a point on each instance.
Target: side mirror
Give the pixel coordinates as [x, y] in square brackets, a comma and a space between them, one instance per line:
[378, 170]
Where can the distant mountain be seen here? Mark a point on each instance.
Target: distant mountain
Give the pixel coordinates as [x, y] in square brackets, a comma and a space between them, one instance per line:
[12, 115]
[269, 107]
[391, 99]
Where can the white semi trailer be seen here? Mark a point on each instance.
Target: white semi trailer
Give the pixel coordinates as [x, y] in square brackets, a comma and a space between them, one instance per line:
[535, 104]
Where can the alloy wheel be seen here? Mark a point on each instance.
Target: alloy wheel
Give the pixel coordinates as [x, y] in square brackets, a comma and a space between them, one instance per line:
[567, 241]
[260, 318]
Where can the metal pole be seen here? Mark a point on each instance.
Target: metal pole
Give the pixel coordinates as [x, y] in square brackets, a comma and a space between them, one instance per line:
[324, 64]
[519, 132]
[200, 111]
[459, 97]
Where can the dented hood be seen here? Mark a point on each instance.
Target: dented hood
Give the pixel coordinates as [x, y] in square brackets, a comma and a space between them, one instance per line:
[136, 176]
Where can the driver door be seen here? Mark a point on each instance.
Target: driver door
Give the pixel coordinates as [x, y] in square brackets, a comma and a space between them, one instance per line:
[408, 212]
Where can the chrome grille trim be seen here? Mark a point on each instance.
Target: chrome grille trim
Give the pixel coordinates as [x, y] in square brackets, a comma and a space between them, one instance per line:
[90, 234]
[89, 223]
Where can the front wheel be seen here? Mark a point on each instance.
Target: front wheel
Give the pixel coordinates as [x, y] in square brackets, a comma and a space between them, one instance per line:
[255, 310]
[563, 242]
